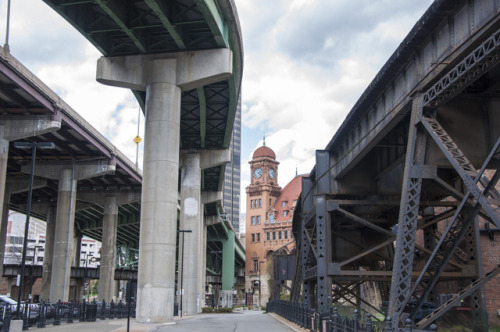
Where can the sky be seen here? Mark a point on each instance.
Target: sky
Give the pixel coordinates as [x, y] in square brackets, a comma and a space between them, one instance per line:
[306, 64]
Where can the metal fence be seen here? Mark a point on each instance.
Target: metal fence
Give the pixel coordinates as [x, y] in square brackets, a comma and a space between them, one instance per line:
[43, 314]
[308, 318]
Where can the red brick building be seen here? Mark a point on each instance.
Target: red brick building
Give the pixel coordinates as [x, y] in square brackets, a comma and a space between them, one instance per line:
[268, 220]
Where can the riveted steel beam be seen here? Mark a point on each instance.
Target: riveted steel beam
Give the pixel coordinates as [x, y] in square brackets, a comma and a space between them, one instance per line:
[408, 216]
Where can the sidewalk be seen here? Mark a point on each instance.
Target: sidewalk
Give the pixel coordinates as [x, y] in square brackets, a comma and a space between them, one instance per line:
[120, 325]
[108, 325]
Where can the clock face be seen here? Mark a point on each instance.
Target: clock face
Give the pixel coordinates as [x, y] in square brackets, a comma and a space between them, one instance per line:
[257, 173]
[271, 173]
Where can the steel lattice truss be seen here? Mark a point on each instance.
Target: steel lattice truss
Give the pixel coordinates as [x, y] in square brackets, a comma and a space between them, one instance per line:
[404, 213]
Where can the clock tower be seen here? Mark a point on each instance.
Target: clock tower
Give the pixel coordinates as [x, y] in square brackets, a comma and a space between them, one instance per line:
[262, 194]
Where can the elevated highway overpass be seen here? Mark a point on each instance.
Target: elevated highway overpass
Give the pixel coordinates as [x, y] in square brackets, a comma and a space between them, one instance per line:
[395, 195]
[190, 51]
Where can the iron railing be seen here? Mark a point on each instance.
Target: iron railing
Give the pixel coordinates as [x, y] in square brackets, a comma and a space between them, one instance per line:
[308, 318]
[43, 314]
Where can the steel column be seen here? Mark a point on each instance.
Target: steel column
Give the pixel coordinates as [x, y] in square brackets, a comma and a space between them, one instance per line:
[408, 215]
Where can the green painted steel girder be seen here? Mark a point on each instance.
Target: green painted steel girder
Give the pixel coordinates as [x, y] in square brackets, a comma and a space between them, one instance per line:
[215, 21]
[116, 11]
[162, 13]
[228, 261]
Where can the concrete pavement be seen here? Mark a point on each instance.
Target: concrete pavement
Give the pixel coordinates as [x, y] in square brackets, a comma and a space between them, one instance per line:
[243, 321]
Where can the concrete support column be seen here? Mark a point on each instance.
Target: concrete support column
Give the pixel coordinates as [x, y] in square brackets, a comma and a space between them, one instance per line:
[203, 264]
[3, 226]
[191, 219]
[48, 253]
[107, 283]
[156, 276]
[4, 197]
[162, 76]
[228, 269]
[63, 245]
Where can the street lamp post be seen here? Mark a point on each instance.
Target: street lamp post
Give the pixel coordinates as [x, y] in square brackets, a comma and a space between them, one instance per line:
[260, 283]
[33, 146]
[182, 262]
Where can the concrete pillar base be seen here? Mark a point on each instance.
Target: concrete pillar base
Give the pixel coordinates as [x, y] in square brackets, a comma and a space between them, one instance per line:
[226, 298]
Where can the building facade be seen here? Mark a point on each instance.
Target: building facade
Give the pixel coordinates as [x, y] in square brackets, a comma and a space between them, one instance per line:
[268, 221]
[232, 174]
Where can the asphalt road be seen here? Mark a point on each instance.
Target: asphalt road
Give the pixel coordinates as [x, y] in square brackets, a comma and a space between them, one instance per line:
[244, 321]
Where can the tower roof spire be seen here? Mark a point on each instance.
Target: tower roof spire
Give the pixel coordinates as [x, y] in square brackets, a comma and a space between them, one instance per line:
[264, 140]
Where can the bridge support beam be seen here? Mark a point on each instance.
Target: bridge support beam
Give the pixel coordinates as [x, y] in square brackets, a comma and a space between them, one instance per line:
[191, 219]
[68, 173]
[228, 269]
[163, 77]
[63, 244]
[408, 216]
[107, 283]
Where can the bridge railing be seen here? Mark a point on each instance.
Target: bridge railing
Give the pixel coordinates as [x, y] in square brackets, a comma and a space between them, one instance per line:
[307, 318]
[43, 314]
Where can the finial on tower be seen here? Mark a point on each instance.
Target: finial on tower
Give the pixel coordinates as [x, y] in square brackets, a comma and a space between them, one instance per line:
[296, 170]
[264, 140]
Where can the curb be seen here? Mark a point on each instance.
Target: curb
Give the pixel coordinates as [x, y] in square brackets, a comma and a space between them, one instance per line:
[288, 324]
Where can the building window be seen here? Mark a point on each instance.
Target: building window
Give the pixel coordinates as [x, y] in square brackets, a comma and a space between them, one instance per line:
[286, 235]
[253, 237]
[260, 202]
[253, 220]
[283, 204]
[251, 203]
[258, 220]
[285, 212]
[258, 237]
[274, 235]
[279, 235]
[294, 202]
[255, 264]
[271, 218]
[268, 234]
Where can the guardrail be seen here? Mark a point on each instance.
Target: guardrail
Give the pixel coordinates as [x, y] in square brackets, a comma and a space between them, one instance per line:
[308, 318]
[43, 314]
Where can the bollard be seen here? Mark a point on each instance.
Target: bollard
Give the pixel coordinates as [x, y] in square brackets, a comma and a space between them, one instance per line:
[83, 308]
[356, 321]
[335, 319]
[120, 308]
[388, 324]
[41, 320]
[103, 310]
[407, 325]
[369, 322]
[25, 316]
[6, 319]
[70, 312]
[57, 317]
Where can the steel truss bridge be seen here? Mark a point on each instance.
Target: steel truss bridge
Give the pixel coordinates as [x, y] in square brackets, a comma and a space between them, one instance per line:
[396, 196]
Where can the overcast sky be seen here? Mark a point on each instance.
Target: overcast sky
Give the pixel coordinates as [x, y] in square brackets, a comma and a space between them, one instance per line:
[306, 64]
